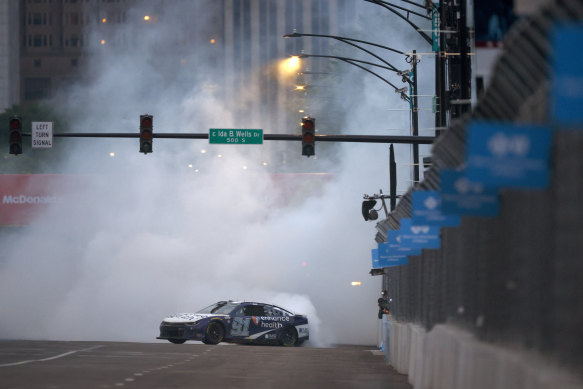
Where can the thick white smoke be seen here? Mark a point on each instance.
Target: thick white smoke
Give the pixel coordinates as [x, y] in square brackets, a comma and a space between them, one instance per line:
[142, 237]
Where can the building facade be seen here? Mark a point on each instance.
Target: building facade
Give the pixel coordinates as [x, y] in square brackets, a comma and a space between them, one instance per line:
[9, 57]
[242, 40]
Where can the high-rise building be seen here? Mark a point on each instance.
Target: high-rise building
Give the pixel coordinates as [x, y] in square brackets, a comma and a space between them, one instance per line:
[55, 41]
[9, 54]
[240, 40]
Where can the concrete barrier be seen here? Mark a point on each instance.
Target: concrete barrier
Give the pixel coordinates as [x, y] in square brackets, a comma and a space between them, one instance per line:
[450, 358]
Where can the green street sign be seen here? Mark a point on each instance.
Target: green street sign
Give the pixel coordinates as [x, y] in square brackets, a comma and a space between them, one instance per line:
[235, 136]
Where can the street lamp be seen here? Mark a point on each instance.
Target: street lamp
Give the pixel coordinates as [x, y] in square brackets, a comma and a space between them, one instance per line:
[390, 6]
[413, 99]
[350, 41]
[355, 62]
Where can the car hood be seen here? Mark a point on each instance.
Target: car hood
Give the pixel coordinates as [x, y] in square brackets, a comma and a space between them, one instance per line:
[187, 317]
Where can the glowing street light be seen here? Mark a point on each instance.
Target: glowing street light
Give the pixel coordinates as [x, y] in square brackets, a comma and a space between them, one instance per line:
[147, 18]
[356, 283]
[290, 66]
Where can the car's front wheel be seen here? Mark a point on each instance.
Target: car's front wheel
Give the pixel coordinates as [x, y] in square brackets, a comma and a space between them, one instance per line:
[215, 332]
[177, 341]
[288, 336]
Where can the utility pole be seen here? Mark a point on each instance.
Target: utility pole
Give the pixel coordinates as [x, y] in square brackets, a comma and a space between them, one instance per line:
[415, 119]
[392, 178]
[465, 63]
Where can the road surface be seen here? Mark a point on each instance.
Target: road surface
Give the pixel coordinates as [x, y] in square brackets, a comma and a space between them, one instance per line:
[56, 365]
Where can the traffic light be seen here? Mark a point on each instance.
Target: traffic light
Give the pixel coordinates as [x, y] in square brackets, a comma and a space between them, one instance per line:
[367, 210]
[146, 133]
[15, 125]
[308, 136]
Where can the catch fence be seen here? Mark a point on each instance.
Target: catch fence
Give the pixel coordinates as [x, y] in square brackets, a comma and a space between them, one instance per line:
[516, 278]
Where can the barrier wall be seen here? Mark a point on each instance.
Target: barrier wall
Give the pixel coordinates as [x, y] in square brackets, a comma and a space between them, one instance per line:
[509, 282]
[449, 358]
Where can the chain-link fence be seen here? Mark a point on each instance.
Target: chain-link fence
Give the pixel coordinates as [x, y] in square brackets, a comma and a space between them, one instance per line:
[516, 278]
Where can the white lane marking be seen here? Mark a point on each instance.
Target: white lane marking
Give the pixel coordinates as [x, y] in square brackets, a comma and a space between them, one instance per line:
[50, 358]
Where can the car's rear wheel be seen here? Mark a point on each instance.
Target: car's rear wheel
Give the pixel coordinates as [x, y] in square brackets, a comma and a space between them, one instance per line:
[215, 332]
[177, 341]
[288, 336]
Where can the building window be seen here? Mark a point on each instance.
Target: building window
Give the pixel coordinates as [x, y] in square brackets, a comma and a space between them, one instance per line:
[37, 40]
[74, 62]
[37, 88]
[37, 63]
[75, 18]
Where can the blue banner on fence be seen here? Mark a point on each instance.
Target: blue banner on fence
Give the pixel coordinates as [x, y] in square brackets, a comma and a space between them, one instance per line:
[508, 155]
[397, 248]
[388, 257]
[567, 75]
[460, 196]
[427, 210]
[375, 259]
[419, 236]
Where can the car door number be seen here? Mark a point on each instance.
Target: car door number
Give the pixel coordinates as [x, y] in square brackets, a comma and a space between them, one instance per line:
[240, 326]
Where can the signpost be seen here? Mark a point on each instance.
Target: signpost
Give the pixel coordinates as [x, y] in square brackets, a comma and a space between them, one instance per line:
[42, 135]
[235, 136]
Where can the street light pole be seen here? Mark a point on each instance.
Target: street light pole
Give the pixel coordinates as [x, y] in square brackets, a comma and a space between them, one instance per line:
[390, 7]
[415, 118]
[353, 61]
[350, 41]
[413, 99]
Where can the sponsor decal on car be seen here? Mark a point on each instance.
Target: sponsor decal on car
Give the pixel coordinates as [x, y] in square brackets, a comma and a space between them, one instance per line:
[275, 318]
[271, 325]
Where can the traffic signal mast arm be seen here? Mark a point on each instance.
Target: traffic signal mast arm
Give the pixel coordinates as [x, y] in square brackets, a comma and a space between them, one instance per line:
[402, 139]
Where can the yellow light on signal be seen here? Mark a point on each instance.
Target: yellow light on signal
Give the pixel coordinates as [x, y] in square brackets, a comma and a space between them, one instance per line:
[356, 283]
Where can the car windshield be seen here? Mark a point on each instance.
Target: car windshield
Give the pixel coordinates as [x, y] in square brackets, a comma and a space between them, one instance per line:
[220, 308]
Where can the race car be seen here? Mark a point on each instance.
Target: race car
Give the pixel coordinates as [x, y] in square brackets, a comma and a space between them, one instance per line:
[237, 322]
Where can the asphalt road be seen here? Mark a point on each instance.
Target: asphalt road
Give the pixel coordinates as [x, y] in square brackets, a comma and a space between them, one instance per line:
[79, 365]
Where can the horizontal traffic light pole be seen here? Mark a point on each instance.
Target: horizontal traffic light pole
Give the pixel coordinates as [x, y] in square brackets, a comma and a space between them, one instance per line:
[404, 139]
